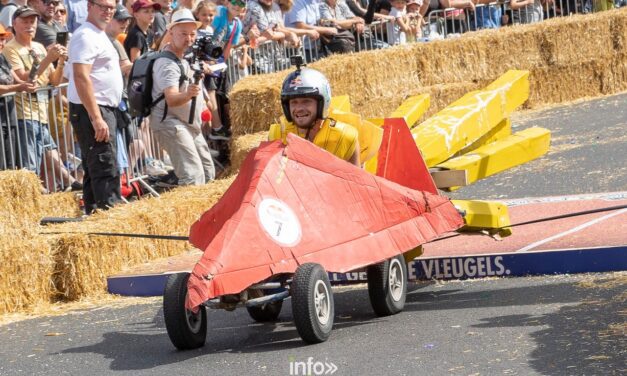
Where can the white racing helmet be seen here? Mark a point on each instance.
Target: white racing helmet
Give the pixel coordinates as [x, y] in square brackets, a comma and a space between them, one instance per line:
[306, 82]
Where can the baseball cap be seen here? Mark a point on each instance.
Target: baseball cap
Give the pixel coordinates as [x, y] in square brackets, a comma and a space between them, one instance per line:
[182, 16]
[24, 11]
[141, 4]
[121, 13]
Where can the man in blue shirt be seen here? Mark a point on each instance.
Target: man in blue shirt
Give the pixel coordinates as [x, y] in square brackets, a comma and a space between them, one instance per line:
[76, 13]
[305, 14]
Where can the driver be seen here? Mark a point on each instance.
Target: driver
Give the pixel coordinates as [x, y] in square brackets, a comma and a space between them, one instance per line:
[305, 98]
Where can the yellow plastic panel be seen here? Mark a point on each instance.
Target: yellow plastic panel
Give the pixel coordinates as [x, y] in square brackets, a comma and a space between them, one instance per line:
[501, 131]
[471, 117]
[412, 109]
[370, 135]
[493, 158]
[340, 103]
[485, 215]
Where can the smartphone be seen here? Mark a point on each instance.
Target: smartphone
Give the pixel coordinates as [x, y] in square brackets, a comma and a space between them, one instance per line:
[62, 38]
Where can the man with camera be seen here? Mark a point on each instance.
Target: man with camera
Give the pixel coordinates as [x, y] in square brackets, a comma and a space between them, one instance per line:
[176, 117]
[95, 92]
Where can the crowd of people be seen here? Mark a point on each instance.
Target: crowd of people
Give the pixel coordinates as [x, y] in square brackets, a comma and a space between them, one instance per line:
[64, 68]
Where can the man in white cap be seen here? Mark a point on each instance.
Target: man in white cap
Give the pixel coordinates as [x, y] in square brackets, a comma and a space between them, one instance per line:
[174, 91]
[95, 93]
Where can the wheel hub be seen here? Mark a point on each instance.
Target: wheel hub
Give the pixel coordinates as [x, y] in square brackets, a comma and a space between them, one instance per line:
[395, 280]
[321, 302]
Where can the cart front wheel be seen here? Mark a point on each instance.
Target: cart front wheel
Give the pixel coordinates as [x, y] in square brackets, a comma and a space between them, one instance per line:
[187, 330]
[387, 286]
[312, 303]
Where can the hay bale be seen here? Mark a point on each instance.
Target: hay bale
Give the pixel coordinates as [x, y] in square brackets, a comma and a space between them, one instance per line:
[569, 58]
[242, 145]
[26, 267]
[83, 262]
[63, 204]
[20, 200]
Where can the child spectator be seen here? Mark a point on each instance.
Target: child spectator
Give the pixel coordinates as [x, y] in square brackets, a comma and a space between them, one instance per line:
[398, 29]
[415, 20]
[140, 37]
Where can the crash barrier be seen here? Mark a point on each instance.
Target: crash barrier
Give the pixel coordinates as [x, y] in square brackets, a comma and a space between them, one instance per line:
[38, 137]
[568, 58]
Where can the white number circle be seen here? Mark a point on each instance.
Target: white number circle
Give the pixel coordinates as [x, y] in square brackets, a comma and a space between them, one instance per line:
[279, 221]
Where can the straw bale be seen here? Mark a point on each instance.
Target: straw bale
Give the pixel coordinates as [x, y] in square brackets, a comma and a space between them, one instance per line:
[20, 200]
[26, 266]
[242, 145]
[62, 204]
[83, 262]
[567, 56]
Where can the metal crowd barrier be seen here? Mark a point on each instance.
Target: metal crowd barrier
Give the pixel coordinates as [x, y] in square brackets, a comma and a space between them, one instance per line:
[56, 156]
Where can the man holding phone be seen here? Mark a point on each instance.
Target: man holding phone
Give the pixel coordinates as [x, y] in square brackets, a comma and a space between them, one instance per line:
[47, 27]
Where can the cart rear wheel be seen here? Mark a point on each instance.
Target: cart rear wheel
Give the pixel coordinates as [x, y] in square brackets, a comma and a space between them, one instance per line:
[312, 303]
[187, 330]
[387, 286]
[267, 312]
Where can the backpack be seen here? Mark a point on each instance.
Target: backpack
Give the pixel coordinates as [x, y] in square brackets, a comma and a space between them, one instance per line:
[139, 87]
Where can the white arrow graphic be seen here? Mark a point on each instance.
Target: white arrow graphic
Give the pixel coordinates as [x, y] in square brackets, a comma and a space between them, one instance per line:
[331, 368]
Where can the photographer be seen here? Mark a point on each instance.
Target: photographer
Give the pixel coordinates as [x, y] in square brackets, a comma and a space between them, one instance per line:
[170, 117]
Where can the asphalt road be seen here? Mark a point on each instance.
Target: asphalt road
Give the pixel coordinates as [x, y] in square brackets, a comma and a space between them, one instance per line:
[561, 325]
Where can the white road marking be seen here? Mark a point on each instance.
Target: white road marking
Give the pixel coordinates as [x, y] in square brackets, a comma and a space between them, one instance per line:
[572, 230]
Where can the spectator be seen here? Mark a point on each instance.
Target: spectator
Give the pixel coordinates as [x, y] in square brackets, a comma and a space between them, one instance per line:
[398, 29]
[95, 91]
[526, 11]
[9, 82]
[136, 148]
[47, 27]
[182, 139]
[160, 23]
[456, 19]
[340, 16]
[76, 13]
[267, 17]
[305, 15]
[23, 53]
[140, 37]
[362, 8]
[6, 15]
[60, 16]
[487, 16]
[416, 21]
[227, 30]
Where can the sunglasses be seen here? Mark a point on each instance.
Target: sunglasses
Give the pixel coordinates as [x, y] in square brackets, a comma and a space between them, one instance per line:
[104, 8]
[238, 3]
[52, 2]
[60, 11]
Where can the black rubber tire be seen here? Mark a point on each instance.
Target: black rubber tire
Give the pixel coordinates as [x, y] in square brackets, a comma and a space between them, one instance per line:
[384, 302]
[308, 279]
[267, 312]
[186, 330]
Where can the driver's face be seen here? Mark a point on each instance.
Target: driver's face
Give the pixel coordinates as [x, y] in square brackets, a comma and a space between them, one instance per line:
[304, 111]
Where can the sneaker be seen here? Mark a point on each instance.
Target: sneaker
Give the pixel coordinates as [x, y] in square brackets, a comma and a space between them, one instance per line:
[154, 167]
[170, 181]
[76, 186]
[223, 134]
[214, 153]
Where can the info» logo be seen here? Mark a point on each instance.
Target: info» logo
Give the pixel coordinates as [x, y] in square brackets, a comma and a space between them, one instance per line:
[311, 367]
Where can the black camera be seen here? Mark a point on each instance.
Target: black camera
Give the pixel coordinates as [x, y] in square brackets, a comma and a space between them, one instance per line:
[205, 49]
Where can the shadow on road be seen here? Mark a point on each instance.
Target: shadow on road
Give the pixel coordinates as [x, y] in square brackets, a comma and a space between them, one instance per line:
[578, 340]
[588, 338]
